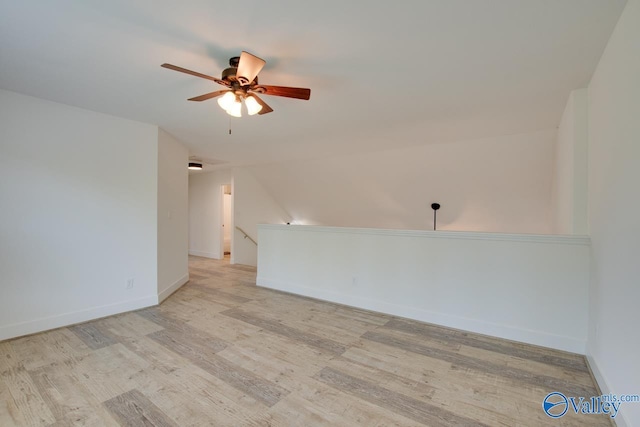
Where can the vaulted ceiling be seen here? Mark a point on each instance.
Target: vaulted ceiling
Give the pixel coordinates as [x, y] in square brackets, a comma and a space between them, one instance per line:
[382, 74]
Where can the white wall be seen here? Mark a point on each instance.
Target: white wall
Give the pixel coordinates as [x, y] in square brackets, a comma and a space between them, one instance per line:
[500, 184]
[252, 205]
[614, 213]
[571, 164]
[79, 214]
[205, 211]
[521, 287]
[227, 220]
[173, 214]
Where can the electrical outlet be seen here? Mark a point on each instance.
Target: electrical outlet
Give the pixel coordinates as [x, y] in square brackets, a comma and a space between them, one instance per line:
[130, 283]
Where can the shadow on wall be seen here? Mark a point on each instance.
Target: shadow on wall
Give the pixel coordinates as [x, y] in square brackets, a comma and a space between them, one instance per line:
[500, 184]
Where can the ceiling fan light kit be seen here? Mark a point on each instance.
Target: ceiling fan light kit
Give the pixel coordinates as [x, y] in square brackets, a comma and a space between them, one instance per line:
[241, 80]
[231, 103]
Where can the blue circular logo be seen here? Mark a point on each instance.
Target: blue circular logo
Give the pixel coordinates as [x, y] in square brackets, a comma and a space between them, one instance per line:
[555, 404]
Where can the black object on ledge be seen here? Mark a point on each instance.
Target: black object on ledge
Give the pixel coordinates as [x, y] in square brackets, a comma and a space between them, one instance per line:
[435, 207]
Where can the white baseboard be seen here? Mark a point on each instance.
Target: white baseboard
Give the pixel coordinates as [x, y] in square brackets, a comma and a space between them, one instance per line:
[214, 255]
[66, 319]
[620, 419]
[472, 325]
[163, 295]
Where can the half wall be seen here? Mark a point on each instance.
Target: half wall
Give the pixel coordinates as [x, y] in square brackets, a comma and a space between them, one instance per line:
[528, 288]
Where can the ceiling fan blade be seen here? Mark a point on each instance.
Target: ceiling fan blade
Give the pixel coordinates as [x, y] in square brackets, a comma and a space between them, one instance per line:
[288, 92]
[208, 95]
[265, 108]
[248, 68]
[194, 73]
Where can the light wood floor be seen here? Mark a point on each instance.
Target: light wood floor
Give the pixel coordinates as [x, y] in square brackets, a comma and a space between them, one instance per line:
[224, 352]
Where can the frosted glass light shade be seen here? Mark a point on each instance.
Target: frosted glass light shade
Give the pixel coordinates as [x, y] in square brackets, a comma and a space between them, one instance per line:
[226, 100]
[235, 109]
[252, 105]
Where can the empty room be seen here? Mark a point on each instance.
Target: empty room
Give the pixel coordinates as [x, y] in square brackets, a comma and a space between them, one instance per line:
[356, 213]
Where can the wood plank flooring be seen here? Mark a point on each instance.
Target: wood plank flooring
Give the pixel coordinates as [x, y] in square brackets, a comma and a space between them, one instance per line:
[223, 352]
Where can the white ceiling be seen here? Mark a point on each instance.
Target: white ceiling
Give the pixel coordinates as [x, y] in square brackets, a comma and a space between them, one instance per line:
[382, 74]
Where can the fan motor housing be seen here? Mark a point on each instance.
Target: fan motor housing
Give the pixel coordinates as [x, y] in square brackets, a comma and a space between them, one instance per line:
[229, 74]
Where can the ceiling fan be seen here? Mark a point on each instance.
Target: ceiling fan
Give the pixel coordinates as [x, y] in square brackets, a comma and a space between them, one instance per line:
[241, 80]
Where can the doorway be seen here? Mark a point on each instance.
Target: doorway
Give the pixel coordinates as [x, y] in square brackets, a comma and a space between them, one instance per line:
[226, 232]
